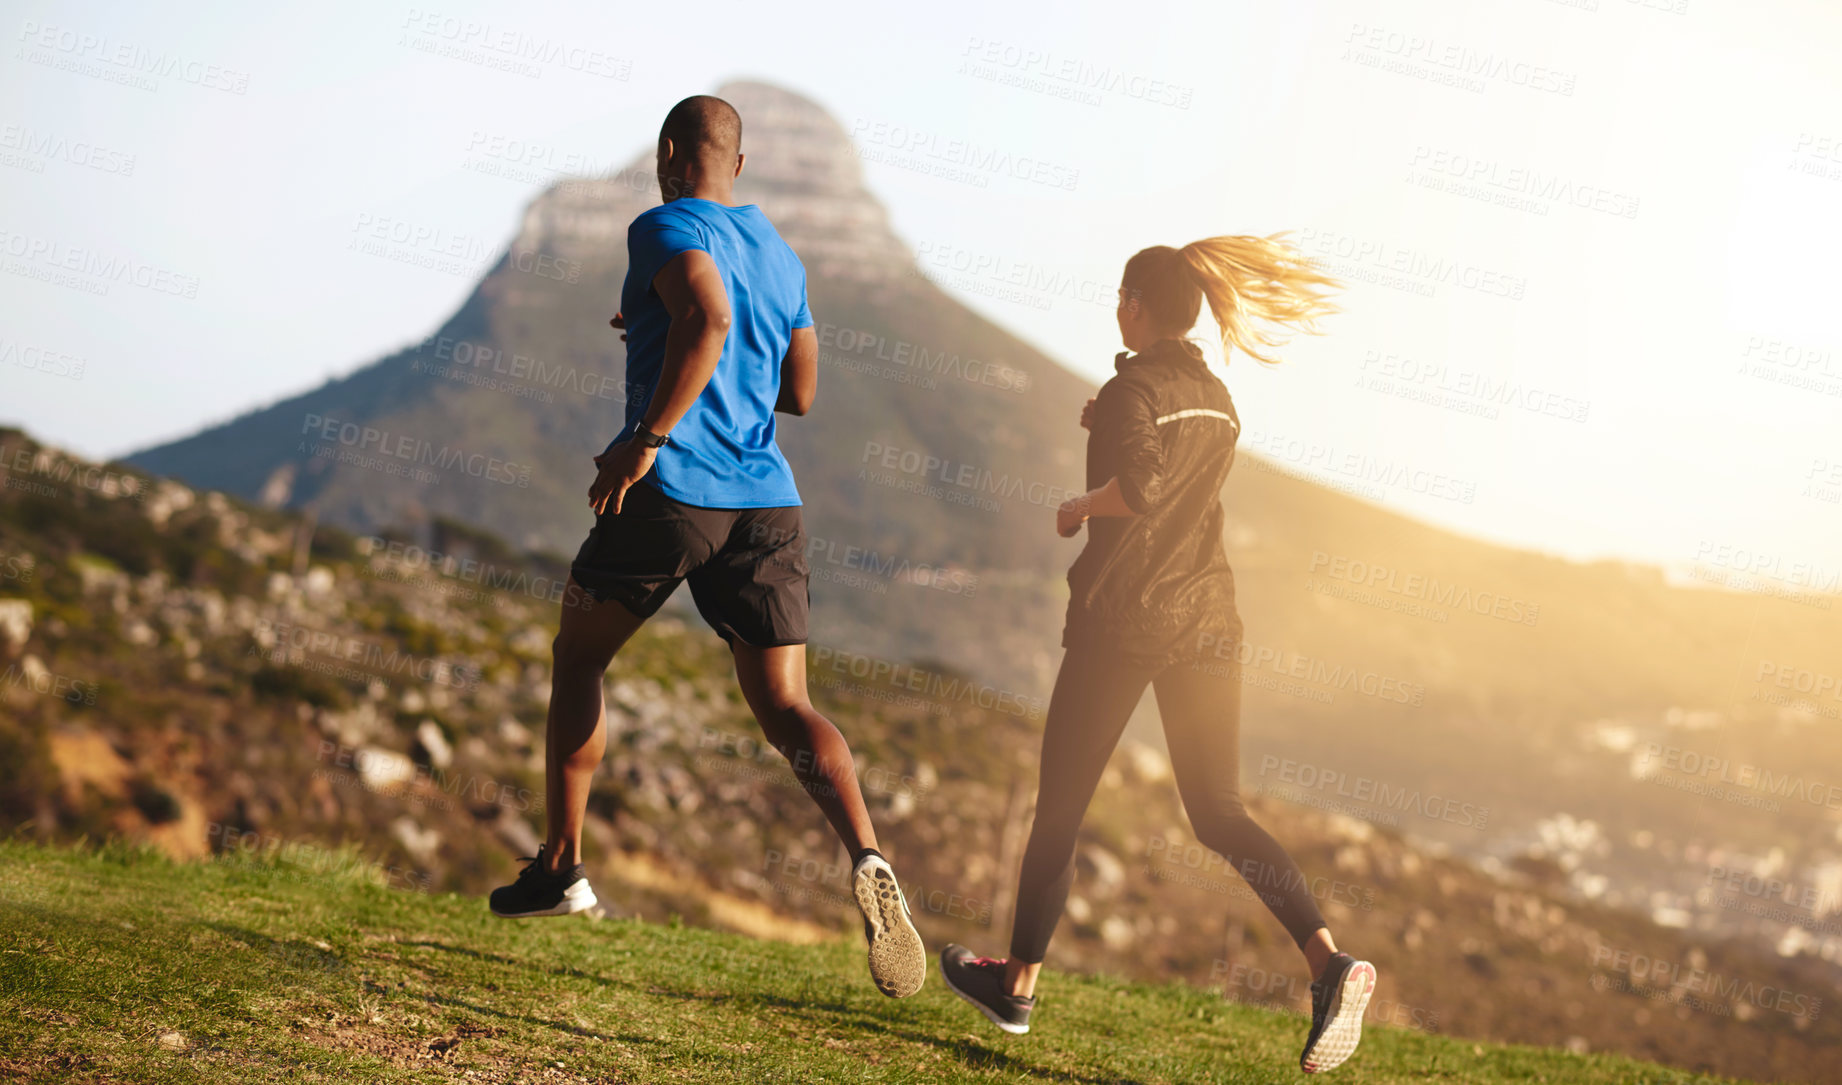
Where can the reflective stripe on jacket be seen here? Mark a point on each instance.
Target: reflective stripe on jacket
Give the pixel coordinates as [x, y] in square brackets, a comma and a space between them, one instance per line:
[1156, 587]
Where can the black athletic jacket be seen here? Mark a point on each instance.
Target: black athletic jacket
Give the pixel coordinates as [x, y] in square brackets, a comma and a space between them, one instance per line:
[1155, 589]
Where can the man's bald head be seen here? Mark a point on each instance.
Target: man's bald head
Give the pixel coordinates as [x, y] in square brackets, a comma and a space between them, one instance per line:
[705, 128]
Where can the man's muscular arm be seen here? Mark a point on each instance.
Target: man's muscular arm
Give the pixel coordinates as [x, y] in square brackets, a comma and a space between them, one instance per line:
[694, 297]
[799, 373]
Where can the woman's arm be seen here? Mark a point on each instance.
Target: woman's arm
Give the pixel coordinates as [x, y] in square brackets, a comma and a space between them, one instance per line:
[1105, 501]
[1131, 424]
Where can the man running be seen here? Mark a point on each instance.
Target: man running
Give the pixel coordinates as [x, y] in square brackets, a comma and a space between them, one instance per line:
[694, 488]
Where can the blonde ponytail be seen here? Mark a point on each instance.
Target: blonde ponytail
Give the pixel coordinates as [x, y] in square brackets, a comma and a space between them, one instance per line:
[1254, 282]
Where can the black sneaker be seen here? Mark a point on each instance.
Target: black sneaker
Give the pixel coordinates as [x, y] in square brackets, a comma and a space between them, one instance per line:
[1338, 1001]
[539, 893]
[898, 960]
[980, 981]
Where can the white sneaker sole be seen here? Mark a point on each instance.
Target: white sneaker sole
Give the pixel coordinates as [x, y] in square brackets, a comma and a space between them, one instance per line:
[579, 897]
[1344, 1030]
[898, 960]
[1014, 1030]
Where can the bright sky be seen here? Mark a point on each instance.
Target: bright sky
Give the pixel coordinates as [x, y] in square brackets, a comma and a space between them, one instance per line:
[1592, 245]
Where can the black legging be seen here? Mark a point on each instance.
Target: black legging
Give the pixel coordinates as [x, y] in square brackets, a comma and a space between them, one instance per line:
[1201, 706]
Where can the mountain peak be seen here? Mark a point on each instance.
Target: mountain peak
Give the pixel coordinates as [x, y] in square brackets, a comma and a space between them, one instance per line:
[802, 169]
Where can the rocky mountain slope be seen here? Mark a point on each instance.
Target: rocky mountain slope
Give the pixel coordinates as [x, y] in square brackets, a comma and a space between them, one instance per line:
[492, 419]
[238, 683]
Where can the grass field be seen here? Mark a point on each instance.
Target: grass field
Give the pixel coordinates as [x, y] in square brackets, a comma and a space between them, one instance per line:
[118, 965]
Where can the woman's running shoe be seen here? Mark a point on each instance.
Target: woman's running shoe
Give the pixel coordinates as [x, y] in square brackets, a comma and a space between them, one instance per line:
[1338, 1001]
[537, 892]
[980, 981]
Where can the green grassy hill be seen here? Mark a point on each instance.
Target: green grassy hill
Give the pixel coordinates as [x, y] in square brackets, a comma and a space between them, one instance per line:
[121, 965]
[219, 680]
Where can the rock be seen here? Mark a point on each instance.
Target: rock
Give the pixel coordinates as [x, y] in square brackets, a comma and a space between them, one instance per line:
[517, 835]
[381, 769]
[514, 734]
[354, 726]
[1146, 764]
[167, 498]
[1117, 932]
[901, 806]
[37, 675]
[434, 744]
[15, 626]
[318, 583]
[419, 842]
[1109, 872]
[532, 640]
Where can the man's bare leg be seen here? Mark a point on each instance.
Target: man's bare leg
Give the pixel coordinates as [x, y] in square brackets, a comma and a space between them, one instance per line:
[575, 731]
[773, 681]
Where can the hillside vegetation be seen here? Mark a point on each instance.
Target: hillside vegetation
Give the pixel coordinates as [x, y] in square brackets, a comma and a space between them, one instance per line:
[122, 966]
[234, 683]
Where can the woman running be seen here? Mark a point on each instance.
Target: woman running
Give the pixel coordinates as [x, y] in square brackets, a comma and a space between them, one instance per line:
[1152, 603]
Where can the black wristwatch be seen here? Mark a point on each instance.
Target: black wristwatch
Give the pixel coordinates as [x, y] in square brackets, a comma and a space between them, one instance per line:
[648, 438]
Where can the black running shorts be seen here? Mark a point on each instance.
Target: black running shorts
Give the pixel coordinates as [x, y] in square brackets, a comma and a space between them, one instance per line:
[747, 567]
